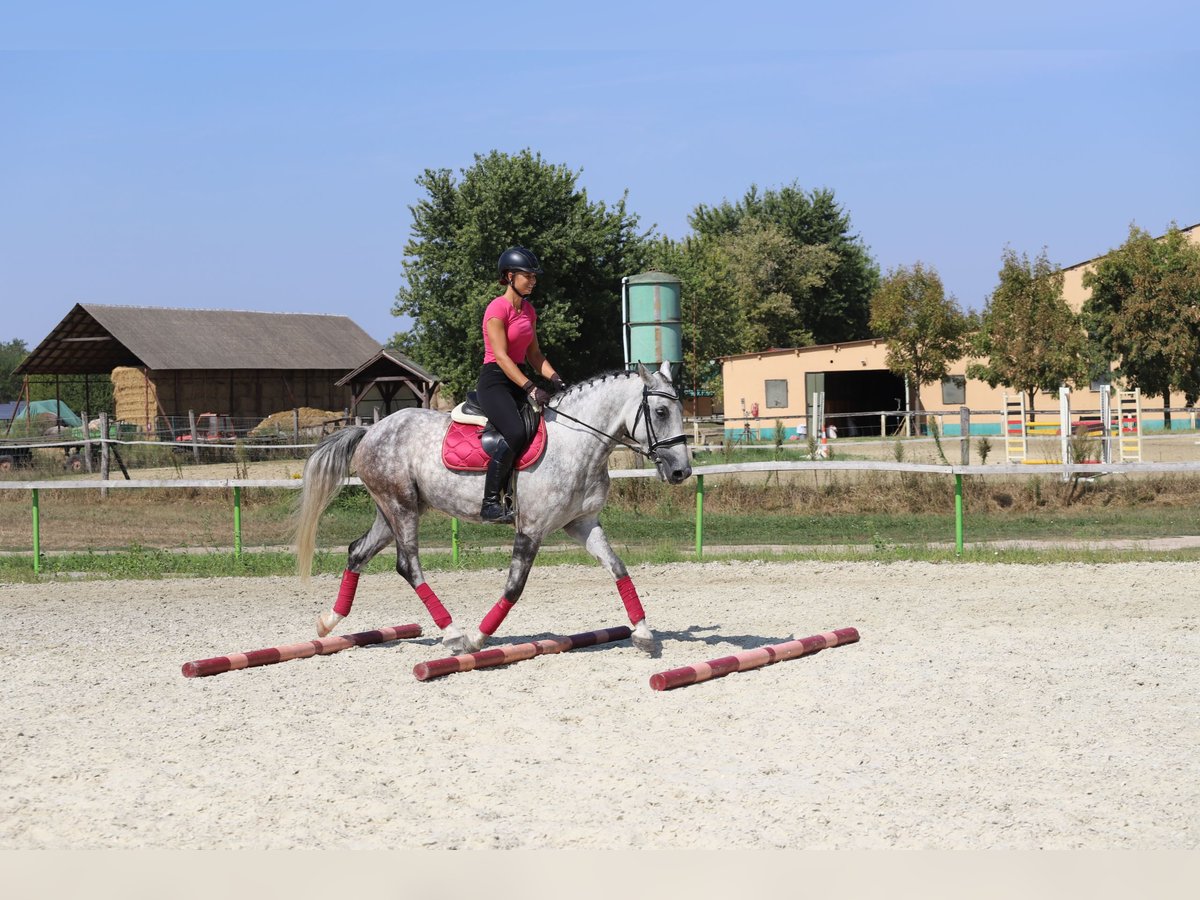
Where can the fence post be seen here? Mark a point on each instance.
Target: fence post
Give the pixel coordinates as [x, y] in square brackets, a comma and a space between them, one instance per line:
[237, 522]
[37, 535]
[195, 439]
[87, 444]
[958, 515]
[699, 515]
[104, 452]
[454, 540]
[964, 426]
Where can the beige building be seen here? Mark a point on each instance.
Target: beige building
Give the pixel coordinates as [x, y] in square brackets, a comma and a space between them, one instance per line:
[863, 398]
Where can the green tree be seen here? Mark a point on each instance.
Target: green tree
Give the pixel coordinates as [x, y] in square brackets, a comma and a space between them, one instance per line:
[777, 284]
[1028, 334]
[459, 230]
[836, 309]
[1144, 310]
[926, 331]
[11, 355]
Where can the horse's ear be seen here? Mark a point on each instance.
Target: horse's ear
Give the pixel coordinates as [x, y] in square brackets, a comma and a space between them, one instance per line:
[665, 370]
[643, 373]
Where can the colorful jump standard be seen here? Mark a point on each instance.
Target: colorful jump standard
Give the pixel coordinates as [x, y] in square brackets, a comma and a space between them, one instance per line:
[751, 659]
[510, 653]
[322, 647]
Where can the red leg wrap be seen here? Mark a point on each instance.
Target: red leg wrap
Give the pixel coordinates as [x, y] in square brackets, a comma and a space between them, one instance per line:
[629, 597]
[495, 616]
[345, 597]
[441, 618]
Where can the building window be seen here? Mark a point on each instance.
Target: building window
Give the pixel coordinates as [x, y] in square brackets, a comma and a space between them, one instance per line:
[776, 393]
[954, 390]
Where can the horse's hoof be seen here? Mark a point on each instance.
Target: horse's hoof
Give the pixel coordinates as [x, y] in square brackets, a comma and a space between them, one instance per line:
[475, 644]
[454, 641]
[644, 639]
[326, 622]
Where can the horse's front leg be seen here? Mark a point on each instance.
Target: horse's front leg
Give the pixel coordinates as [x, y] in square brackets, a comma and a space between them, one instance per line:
[588, 532]
[525, 548]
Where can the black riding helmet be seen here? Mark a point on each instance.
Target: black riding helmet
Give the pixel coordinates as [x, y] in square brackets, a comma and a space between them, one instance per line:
[517, 259]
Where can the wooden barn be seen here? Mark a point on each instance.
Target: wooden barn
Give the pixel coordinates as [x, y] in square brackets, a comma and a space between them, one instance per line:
[166, 362]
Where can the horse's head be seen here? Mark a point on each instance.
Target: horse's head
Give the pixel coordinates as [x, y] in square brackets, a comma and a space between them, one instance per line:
[659, 422]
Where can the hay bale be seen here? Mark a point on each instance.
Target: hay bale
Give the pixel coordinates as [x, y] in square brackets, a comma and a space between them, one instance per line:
[135, 397]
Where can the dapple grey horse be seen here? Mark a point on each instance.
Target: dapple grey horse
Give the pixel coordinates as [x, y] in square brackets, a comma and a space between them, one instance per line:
[399, 462]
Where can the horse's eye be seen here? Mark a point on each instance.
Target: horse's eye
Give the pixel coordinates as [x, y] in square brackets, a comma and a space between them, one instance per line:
[661, 412]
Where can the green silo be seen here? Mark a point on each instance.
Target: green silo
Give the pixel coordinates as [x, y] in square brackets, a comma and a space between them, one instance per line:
[653, 333]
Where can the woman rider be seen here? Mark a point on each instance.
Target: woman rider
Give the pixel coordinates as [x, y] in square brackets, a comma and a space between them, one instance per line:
[509, 340]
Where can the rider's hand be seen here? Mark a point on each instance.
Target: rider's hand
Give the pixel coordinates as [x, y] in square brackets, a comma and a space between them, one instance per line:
[558, 384]
[537, 396]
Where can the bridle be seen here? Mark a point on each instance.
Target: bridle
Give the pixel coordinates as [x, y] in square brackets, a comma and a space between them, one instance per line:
[653, 443]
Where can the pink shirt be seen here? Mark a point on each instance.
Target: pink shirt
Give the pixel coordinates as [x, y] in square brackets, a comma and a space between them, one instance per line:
[518, 325]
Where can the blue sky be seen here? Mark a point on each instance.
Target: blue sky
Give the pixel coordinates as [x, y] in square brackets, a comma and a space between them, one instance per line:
[263, 155]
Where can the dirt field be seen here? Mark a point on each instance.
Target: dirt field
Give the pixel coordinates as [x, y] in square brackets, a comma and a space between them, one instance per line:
[1008, 707]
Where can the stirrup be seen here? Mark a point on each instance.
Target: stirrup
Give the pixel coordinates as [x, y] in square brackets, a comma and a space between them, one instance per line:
[493, 513]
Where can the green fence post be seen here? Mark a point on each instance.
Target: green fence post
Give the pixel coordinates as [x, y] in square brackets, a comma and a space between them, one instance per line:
[699, 515]
[454, 540]
[237, 522]
[37, 535]
[958, 515]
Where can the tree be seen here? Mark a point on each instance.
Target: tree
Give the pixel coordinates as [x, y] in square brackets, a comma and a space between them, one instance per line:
[461, 227]
[1144, 310]
[777, 284]
[11, 355]
[1030, 337]
[926, 331]
[837, 309]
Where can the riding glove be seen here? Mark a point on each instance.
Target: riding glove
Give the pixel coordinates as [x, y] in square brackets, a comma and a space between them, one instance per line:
[558, 384]
[539, 396]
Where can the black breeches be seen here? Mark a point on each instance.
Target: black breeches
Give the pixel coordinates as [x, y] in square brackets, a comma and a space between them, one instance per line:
[502, 401]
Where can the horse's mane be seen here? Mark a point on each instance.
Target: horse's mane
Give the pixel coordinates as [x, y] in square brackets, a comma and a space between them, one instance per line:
[597, 380]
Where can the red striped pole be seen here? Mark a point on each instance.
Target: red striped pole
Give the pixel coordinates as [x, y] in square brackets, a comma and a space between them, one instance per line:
[218, 664]
[751, 659]
[510, 653]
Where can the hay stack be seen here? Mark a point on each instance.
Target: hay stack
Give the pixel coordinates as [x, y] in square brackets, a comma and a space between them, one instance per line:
[313, 422]
[135, 397]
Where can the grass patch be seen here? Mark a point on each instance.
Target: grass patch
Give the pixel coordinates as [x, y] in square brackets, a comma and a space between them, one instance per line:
[137, 564]
[139, 534]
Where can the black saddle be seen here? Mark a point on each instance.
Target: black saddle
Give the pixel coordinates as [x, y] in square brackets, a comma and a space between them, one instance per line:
[490, 436]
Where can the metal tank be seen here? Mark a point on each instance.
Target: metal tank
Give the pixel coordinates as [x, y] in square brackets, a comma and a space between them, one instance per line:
[650, 318]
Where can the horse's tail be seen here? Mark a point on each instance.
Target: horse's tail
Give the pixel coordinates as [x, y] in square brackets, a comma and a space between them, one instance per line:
[324, 474]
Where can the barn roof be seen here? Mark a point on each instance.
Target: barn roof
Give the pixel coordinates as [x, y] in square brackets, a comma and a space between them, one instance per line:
[95, 338]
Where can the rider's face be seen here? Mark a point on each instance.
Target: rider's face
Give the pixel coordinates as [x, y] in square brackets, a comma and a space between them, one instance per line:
[527, 279]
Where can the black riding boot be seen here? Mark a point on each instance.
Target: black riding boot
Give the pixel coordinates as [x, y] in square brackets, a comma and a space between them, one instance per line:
[494, 510]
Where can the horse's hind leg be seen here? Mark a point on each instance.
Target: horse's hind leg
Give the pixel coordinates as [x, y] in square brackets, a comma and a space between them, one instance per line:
[587, 531]
[361, 552]
[405, 522]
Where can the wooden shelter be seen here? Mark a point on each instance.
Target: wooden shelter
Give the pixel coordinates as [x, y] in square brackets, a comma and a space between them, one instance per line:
[237, 363]
[386, 382]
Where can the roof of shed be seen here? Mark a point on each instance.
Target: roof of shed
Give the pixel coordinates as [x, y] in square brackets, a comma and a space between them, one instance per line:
[385, 362]
[94, 338]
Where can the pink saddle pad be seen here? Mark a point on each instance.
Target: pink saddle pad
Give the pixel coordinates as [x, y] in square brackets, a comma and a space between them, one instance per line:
[462, 452]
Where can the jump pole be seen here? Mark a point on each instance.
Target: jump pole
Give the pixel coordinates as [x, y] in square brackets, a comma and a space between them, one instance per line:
[322, 647]
[751, 659]
[510, 653]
